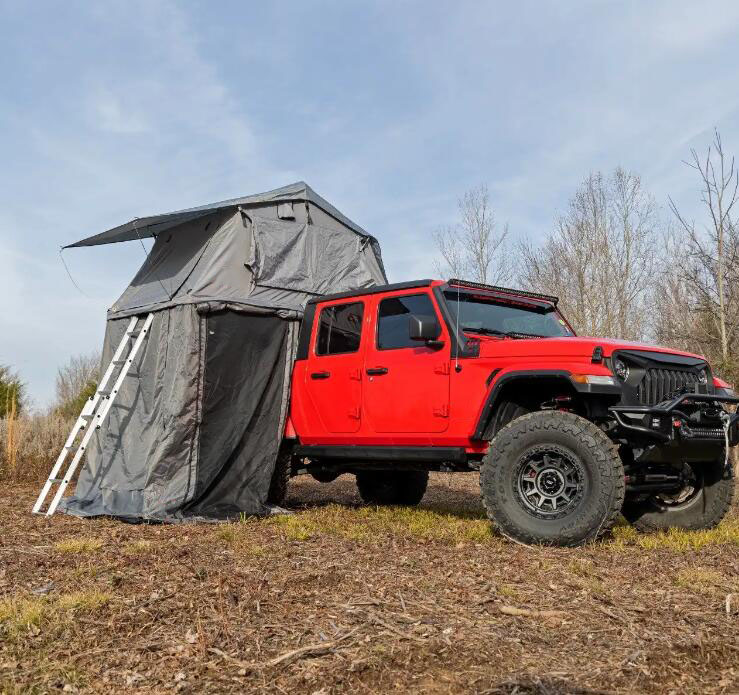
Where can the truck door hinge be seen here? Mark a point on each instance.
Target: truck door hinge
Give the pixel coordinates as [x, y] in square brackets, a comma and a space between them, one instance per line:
[441, 411]
[355, 375]
[354, 413]
[442, 368]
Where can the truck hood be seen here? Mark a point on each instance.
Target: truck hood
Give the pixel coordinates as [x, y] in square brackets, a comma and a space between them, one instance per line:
[570, 346]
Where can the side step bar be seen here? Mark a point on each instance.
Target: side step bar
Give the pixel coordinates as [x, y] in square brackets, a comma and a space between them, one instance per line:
[385, 453]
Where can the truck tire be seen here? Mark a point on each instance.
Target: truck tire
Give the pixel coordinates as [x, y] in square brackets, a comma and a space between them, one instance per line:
[392, 487]
[280, 476]
[552, 478]
[700, 505]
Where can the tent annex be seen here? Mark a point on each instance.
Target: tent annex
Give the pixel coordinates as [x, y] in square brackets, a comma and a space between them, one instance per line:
[196, 427]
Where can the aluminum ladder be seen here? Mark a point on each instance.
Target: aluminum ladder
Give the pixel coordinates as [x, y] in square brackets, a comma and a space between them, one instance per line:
[94, 412]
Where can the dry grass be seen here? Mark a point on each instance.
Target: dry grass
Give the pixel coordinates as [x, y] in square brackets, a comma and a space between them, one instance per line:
[138, 547]
[29, 445]
[343, 598]
[27, 615]
[79, 545]
[706, 580]
[625, 537]
[375, 524]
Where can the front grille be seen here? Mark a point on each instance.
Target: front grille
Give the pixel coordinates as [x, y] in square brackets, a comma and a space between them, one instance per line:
[661, 384]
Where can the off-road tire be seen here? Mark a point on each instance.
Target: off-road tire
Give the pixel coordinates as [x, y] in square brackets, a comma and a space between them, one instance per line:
[280, 476]
[404, 488]
[600, 492]
[704, 510]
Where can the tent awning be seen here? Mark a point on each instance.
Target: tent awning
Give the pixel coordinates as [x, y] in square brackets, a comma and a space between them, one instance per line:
[140, 228]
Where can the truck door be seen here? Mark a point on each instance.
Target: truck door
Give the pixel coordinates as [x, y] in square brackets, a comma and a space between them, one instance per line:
[333, 380]
[406, 386]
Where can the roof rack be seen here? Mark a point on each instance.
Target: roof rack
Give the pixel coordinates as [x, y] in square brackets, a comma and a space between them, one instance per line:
[504, 290]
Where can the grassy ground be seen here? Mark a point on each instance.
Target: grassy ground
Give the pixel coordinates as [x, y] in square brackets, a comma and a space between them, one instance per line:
[340, 597]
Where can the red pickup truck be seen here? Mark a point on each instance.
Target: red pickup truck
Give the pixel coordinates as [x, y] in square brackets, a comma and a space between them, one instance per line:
[567, 432]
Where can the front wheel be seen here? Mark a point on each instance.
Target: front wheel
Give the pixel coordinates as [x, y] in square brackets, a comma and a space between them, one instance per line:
[701, 504]
[552, 478]
[392, 487]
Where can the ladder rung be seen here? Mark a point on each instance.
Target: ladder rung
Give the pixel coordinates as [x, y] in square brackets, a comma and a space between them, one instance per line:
[56, 480]
[71, 447]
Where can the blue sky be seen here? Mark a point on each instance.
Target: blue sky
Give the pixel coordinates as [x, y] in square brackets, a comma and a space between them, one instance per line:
[391, 110]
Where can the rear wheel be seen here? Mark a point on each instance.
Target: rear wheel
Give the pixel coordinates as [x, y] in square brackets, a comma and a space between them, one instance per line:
[701, 504]
[280, 476]
[392, 487]
[553, 478]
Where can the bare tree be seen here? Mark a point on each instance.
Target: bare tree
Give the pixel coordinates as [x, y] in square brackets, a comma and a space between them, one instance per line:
[709, 266]
[475, 248]
[601, 256]
[79, 374]
[674, 322]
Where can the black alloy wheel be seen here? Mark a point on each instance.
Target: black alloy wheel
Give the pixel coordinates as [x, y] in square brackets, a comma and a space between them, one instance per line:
[551, 482]
[552, 478]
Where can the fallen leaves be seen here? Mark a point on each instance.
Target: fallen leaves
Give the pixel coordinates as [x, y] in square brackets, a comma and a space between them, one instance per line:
[198, 609]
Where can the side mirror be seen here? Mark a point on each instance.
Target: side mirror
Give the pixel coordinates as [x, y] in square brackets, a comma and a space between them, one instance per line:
[425, 328]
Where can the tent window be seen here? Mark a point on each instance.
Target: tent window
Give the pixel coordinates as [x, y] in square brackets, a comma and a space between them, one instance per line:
[340, 329]
[285, 211]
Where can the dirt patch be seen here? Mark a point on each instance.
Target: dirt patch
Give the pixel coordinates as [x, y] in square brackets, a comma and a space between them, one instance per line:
[340, 597]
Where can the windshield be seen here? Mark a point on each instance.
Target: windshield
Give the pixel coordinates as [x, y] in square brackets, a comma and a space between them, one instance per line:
[481, 314]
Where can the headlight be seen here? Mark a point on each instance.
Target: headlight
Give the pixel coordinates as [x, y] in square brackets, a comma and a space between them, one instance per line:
[702, 377]
[596, 379]
[621, 369]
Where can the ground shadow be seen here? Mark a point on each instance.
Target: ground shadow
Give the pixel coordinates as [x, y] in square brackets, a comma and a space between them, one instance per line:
[457, 494]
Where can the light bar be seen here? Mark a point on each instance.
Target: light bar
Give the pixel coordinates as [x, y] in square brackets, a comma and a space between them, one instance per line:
[504, 290]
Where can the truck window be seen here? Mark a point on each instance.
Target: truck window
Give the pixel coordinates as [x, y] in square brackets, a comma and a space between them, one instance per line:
[339, 329]
[392, 319]
[486, 315]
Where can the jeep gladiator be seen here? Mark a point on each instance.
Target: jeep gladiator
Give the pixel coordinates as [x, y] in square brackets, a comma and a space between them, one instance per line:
[394, 381]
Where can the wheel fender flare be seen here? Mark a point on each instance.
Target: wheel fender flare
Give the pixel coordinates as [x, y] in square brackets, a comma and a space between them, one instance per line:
[494, 394]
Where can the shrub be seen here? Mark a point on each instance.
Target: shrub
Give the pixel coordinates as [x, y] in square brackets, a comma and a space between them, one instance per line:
[76, 381]
[73, 407]
[12, 392]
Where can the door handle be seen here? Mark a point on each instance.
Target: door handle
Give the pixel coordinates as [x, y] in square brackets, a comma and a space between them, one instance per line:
[320, 375]
[377, 371]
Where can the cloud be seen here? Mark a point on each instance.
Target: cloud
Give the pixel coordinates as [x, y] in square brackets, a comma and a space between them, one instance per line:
[112, 115]
[686, 27]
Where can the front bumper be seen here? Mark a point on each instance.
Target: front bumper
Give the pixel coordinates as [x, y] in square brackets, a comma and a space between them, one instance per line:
[668, 421]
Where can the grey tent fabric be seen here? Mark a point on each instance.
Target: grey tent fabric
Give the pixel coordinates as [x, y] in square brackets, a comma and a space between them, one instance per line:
[196, 427]
[141, 462]
[252, 259]
[141, 228]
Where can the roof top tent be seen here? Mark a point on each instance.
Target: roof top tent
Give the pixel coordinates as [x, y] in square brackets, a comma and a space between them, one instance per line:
[196, 426]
